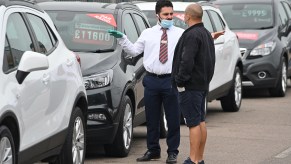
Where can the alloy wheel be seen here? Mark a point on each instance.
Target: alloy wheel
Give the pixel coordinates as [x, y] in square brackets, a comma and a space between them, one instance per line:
[78, 141]
[238, 89]
[127, 126]
[284, 77]
[6, 156]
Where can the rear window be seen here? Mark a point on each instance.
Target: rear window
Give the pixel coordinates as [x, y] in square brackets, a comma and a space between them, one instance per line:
[84, 31]
[248, 16]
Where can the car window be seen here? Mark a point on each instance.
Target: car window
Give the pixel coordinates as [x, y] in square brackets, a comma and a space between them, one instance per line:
[206, 21]
[42, 34]
[83, 31]
[216, 20]
[130, 28]
[287, 8]
[248, 16]
[151, 16]
[18, 40]
[140, 22]
[282, 14]
[8, 62]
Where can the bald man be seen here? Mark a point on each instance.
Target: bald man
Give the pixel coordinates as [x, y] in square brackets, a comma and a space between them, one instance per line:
[192, 71]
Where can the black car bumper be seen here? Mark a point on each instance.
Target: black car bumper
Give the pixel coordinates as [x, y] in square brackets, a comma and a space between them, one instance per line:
[261, 72]
[101, 121]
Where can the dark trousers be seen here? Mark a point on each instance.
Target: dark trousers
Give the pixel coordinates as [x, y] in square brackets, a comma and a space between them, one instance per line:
[158, 92]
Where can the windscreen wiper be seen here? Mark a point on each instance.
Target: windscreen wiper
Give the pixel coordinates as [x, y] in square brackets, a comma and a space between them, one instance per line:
[103, 50]
[268, 27]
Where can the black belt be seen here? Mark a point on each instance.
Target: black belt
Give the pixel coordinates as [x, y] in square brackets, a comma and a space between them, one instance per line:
[159, 76]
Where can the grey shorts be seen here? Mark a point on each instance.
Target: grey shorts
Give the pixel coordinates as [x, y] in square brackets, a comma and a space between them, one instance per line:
[192, 104]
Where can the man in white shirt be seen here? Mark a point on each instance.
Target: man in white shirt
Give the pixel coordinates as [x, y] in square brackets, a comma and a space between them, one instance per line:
[158, 44]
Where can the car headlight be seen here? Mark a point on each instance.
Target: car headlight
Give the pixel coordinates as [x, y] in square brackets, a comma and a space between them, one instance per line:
[263, 49]
[98, 80]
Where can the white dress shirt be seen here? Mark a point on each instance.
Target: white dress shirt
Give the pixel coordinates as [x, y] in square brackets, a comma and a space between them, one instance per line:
[149, 43]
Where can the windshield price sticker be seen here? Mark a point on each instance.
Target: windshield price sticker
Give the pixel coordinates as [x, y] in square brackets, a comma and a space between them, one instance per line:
[92, 37]
[247, 36]
[254, 13]
[179, 16]
[92, 34]
[107, 18]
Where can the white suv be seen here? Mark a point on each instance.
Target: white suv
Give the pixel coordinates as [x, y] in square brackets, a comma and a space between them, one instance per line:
[43, 101]
[226, 84]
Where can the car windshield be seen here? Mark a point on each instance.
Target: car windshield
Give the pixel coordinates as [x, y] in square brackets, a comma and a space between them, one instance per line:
[85, 31]
[248, 16]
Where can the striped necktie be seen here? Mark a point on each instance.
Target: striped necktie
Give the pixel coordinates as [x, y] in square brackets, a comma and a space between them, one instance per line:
[164, 47]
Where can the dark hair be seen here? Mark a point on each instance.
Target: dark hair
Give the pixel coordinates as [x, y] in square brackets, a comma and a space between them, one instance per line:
[162, 3]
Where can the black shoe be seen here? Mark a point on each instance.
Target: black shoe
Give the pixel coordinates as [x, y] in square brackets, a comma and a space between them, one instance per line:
[188, 161]
[172, 158]
[201, 162]
[149, 156]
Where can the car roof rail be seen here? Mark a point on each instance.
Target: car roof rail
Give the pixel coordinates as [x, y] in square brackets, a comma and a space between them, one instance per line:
[123, 5]
[28, 3]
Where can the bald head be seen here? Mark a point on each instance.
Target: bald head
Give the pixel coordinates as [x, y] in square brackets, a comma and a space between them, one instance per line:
[194, 11]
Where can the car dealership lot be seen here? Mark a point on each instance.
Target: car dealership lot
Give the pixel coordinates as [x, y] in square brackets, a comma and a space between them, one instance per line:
[258, 133]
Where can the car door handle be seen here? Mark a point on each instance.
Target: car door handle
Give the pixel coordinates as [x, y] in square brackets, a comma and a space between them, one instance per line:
[70, 62]
[45, 79]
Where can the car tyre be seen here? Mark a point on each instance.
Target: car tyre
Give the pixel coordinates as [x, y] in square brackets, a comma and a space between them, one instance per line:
[73, 151]
[232, 101]
[163, 124]
[123, 139]
[280, 89]
[7, 146]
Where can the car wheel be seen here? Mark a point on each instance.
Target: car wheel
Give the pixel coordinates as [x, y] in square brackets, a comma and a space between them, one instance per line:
[280, 89]
[122, 142]
[232, 101]
[7, 147]
[73, 151]
[163, 124]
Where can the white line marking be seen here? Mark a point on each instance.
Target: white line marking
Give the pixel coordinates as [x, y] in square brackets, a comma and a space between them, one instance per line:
[284, 154]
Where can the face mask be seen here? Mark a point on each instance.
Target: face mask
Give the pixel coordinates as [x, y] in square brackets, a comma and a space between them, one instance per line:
[166, 23]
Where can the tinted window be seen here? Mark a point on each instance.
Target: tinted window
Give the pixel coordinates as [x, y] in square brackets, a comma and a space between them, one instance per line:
[140, 22]
[216, 20]
[18, 40]
[282, 14]
[130, 29]
[206, 21]
[84, 31]
[248, 16]
[42, 35]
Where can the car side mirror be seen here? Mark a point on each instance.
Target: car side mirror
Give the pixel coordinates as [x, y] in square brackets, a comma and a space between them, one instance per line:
[30, 61]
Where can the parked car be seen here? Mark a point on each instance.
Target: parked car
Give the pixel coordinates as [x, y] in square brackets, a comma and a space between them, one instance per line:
[226, 83]
[263, 29]
[43, 100]
[112, 78]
